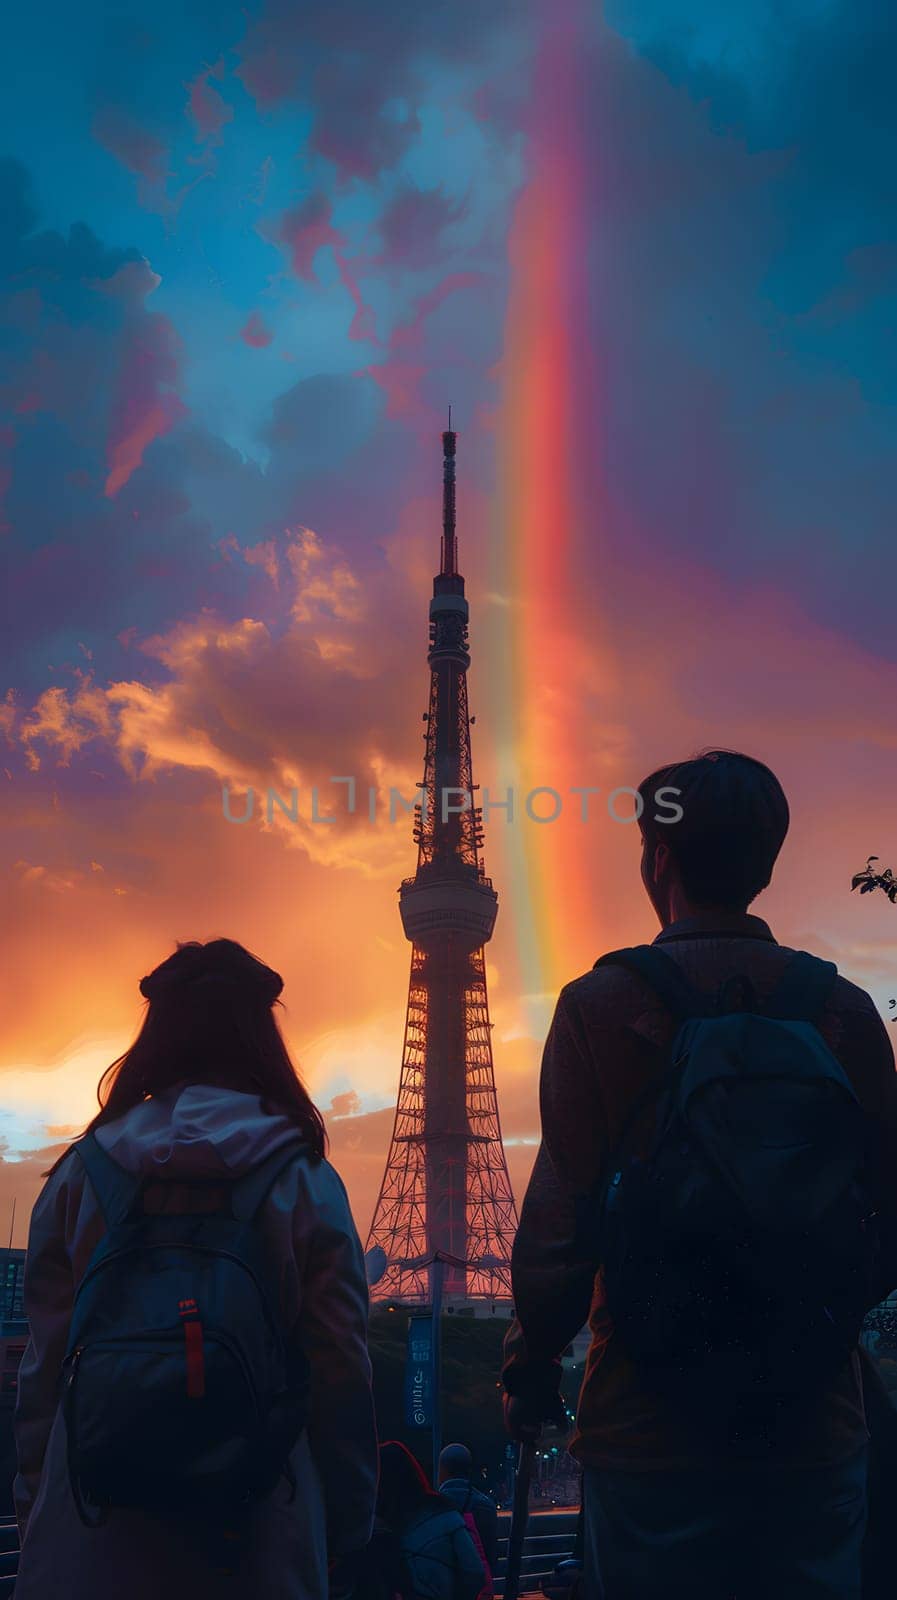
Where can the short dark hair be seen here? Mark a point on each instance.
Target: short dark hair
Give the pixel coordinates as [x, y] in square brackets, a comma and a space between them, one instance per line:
[456, 1461]
[733, 823]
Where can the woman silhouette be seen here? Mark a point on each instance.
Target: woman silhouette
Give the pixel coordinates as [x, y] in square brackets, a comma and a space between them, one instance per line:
[421, 1547]
[205, 1094]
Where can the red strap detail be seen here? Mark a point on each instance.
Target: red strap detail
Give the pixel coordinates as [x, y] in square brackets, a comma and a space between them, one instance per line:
[196, 1363]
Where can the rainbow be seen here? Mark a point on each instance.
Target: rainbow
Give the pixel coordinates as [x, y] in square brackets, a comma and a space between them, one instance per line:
[545, 510]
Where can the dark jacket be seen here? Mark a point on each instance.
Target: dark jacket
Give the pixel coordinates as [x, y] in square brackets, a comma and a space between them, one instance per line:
[461, 1493]
[609, 1038]
[382, 1574]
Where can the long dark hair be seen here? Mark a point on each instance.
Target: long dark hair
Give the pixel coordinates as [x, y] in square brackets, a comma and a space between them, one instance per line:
[404, 1486]
[209, 1019]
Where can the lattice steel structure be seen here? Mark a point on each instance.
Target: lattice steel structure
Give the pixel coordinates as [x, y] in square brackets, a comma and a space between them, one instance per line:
[446, 1186]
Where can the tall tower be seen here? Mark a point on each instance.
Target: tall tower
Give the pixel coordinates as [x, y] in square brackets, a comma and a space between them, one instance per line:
[446, 1186]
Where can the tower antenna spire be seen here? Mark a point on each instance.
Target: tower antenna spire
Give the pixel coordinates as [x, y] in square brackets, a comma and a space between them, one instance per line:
[449, 564]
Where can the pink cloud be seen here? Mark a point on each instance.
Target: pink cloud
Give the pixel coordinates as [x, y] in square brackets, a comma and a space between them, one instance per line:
[133, 145]
[400, 375]
[409, 334]
[305, 230]
[400, 381]
[363, 324]
[145, 405]
[66, 720]
[255, 333]
[208, 109]
[263, 555]
[127, 452]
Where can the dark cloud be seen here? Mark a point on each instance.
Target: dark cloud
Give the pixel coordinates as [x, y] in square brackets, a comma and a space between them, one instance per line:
[136, 147]
[364, 69]
[115, 501]
[323, 419]
[413, 226]
[18, 216]
[89, 381]
[345, 1105]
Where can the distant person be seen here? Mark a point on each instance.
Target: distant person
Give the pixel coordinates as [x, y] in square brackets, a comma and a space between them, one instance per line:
[420, 1548]
[713, 1214]
[196, 1296]
[456, 1485]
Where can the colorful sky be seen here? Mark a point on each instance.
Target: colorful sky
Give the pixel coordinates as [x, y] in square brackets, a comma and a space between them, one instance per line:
[248, 255]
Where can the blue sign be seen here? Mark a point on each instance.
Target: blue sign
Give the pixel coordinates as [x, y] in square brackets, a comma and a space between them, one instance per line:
[419, 1373]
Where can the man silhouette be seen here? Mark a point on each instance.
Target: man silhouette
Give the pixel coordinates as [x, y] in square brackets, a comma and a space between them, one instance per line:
[456, 1485]
[663, 1515]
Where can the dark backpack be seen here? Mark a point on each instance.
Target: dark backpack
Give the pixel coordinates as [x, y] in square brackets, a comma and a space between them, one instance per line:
[741, 1254]
[179, 1395]
[440, 1556]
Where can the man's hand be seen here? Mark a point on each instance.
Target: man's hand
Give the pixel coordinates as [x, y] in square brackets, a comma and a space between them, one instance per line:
[526, 1415]
[532, 1393]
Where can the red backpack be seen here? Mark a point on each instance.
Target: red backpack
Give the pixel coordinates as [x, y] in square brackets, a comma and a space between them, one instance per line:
[488, 1590]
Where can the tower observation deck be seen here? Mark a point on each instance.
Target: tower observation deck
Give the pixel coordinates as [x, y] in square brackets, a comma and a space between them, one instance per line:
[446, 1187]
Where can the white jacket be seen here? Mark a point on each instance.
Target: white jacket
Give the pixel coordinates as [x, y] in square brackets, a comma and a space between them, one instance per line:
[199, 1131]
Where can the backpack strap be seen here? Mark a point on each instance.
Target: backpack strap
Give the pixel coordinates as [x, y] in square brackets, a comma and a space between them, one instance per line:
[803, 989]
[250, 1193]
[681, 1000]
[665, 977]
[117, 1191]
[801, 994]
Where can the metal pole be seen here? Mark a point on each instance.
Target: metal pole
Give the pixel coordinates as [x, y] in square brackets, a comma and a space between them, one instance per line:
[519, 1520]
[437, 1272]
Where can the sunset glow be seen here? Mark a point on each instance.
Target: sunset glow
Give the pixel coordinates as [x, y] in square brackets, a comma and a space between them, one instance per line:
[235, 305]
